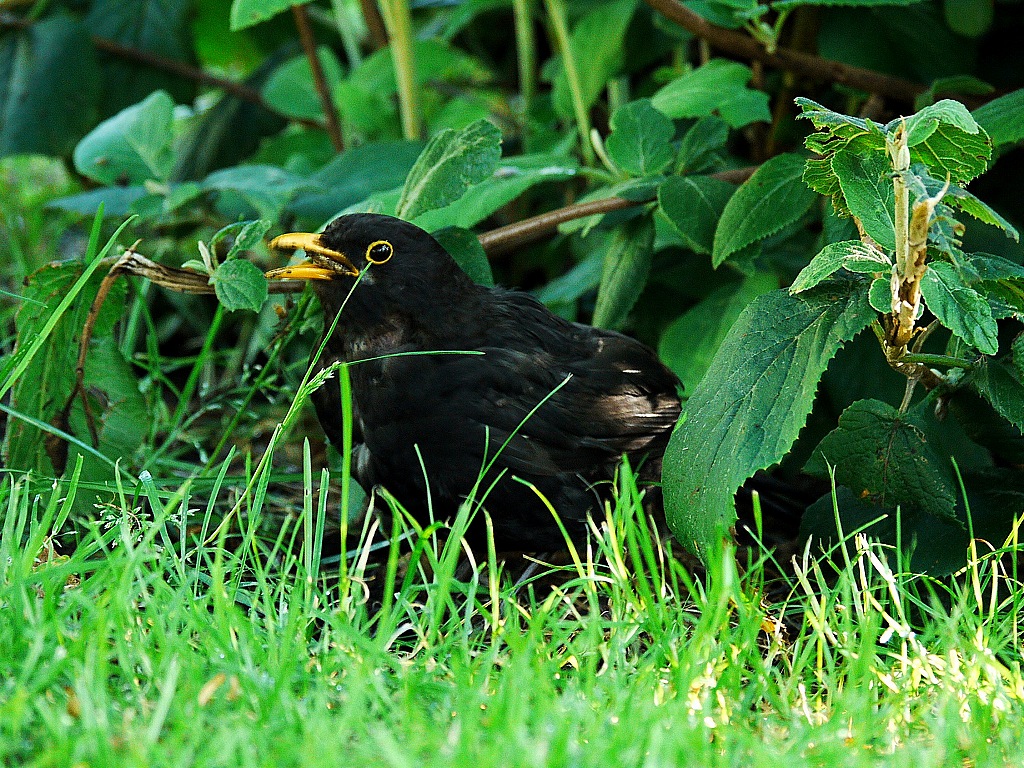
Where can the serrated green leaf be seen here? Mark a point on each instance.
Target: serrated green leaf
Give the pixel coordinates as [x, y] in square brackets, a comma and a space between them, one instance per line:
[1018, 354]
[133, 146]
[641, 139]
[848, 254]
[465, 248]
[922, 124]
[249, 236]
[748, 408]
[720, 87]
[1001, 383]
[960, 308]
[690, 343]
[240, 285]
[510, 179]
[627, 264]
[950, 149]
[451, 163]
[694, 204]
[41, 390]
[1003, 118]
[773, 198]
[866, 181]
[878, 453]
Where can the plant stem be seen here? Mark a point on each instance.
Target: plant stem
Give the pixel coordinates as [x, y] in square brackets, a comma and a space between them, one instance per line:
[398, 21]
[560, 26]
[526, 50]
[319, 80]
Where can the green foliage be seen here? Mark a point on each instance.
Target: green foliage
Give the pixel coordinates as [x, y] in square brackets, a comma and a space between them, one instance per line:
[705, 235]
[750, 405]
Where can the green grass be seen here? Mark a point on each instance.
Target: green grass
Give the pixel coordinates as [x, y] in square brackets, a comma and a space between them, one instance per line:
[147, 647]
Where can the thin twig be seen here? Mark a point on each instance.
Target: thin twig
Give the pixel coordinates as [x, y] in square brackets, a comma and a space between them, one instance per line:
[374, 23]
[807, 65]
[323, 90]
[507, 238]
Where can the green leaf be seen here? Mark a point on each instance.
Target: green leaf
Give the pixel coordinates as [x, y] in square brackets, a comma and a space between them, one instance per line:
[626, 267]
[596, 45]
[773, 198]
[247, 13]
[1003, 118]
[970, 18]
[262, 189]
[960, 308]
[354, 175]
[250, 235]
[848, 254]
[451, 163]
[866, 181]
[718, 87]
[880, 295]
[952, 150]
[43, 108]
[694, 204]
[291, 90]
[700, 146]
[43, 387]
[465, 248]
[921, 125]
[641, 139]
[510, 179]
[1000, 382]
[879, 454]
[748, 408]
[133, 146]
[240, 285]
[690, 343]
[161, 29]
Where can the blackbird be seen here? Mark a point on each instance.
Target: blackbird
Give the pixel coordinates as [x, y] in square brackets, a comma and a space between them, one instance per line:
[524, 407]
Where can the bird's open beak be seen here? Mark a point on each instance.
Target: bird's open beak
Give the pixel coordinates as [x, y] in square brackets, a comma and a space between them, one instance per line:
[324, 264]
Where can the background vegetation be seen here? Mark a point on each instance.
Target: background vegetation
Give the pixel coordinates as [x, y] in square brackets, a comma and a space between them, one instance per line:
[731, 182]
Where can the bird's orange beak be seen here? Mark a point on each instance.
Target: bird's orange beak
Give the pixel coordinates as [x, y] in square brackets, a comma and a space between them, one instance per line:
[324, 264]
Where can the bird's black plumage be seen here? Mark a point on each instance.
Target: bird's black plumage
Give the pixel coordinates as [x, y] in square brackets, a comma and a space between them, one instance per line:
[536, 400]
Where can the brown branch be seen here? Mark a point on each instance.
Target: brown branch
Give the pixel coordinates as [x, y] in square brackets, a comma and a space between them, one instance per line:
[807, 65]
[374, 23]
[507, 238]
[322, 89]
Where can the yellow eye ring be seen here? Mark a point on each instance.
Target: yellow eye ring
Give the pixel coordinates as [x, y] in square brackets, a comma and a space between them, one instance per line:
[379, 251]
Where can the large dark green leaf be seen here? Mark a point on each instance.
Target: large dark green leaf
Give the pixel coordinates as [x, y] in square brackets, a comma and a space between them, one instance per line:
[160, 28]
[690, 343]
[880, 454]
[1001, 383]
[1003, 118]
[49, 87]
[747, 410]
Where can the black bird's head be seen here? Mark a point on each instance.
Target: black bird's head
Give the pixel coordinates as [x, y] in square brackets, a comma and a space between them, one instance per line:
[399, 266]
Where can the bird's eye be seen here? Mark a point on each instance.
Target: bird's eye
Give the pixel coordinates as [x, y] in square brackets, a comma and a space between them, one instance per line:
[379, 252]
